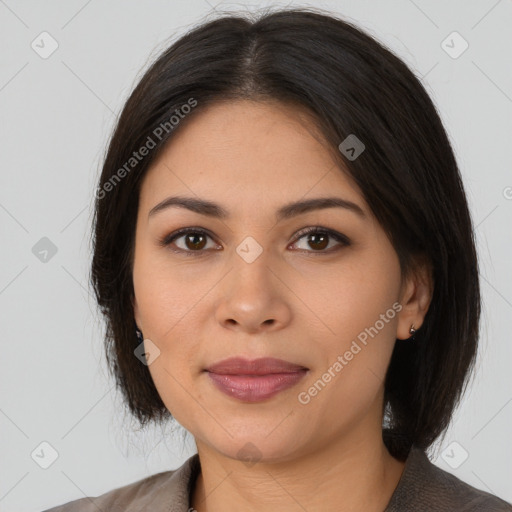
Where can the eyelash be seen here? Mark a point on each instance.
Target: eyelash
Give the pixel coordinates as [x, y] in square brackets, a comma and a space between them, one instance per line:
[339, 237]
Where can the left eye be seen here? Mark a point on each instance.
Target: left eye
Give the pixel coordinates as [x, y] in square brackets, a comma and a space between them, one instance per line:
[194, 240]
[319, 239]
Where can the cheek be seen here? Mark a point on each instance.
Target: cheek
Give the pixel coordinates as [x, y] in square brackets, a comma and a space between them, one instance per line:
[167, 310]
[166, 307]
[350, 296]
[358, 304]
[367, 323]
[166, 293]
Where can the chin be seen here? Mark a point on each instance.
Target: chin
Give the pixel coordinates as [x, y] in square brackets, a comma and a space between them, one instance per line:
[257, 446]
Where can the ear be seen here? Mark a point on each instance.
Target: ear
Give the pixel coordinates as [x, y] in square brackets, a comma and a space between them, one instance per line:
[415, 297]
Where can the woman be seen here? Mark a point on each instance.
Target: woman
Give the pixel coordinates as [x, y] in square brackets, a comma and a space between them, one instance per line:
[285, 259]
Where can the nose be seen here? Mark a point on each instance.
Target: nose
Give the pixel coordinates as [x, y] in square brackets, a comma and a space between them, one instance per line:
[253, 298]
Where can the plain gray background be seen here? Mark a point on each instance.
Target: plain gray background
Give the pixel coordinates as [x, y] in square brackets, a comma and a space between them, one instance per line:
[56, 115]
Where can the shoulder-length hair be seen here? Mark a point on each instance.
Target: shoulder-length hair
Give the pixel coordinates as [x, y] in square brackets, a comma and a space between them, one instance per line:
[408, 174]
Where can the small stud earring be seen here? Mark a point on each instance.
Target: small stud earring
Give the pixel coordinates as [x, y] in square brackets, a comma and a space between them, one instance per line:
[138, 333]
[412, 331]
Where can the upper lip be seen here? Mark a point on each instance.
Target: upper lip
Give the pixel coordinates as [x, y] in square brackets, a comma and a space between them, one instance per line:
[262, 366]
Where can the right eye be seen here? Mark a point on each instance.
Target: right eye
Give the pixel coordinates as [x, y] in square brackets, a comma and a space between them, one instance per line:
[192, 240]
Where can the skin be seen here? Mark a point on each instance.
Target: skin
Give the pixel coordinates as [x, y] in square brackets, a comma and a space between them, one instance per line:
[297, 301]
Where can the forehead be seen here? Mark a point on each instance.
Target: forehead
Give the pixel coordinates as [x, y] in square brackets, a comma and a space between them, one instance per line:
[250, 152]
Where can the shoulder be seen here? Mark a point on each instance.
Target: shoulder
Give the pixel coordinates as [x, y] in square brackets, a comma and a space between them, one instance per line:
[424, 486]
[119, 499]
[156, 493]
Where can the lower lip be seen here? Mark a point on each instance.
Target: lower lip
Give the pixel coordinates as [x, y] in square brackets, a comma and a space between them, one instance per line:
[255, 388]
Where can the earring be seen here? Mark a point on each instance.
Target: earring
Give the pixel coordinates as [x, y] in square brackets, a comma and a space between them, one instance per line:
[138, 333]
[412, 331]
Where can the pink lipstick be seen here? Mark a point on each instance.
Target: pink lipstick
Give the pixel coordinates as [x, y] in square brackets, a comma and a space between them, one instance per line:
[256, 380]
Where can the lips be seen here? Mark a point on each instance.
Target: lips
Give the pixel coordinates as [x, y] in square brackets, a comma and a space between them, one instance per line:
[257, 380]
[262, 366]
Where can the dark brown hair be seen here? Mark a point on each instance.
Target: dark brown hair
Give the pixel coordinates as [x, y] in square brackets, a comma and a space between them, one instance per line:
[408, 174]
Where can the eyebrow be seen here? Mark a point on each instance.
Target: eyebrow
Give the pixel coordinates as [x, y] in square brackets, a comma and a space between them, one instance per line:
[211, 209]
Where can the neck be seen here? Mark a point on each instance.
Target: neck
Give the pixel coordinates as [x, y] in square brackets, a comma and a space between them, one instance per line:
[344, 476]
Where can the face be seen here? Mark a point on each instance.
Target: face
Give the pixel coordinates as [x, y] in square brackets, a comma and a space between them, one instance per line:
[254, 284]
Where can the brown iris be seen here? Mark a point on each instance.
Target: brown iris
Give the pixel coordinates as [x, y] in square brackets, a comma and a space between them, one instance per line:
[315, 239]
[197, 241]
